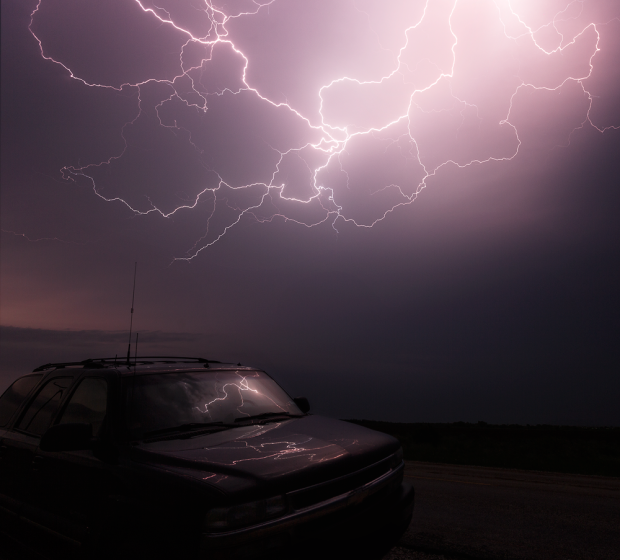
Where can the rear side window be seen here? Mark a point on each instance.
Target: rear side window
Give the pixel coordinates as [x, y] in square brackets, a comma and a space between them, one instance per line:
[15, 396]
[39, 414]
[88, 403]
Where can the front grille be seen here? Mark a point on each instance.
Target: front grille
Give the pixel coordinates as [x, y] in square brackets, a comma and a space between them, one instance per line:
[307, 497]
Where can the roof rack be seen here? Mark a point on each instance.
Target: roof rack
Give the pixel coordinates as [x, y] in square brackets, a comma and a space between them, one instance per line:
[94, 363]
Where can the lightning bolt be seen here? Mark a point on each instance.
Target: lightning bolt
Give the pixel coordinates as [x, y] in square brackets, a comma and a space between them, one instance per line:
[434, 102]
[243, 385]
[38, 239]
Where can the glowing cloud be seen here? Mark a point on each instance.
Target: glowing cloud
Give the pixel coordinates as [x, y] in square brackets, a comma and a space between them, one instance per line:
[328, 111]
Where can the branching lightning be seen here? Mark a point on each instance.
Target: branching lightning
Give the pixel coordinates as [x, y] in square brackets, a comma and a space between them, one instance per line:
[243, 385]
[397, 118]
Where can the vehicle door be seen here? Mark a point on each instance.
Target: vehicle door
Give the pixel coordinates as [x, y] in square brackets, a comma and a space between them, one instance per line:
[10, 403]
[20, 462]
[77, 483]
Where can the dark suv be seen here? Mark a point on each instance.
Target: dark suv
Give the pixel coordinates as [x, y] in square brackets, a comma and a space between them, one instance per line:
[190, 456]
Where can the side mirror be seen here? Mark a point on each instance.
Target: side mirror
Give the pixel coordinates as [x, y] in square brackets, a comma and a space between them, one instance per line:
[302, 403]
[67, 437]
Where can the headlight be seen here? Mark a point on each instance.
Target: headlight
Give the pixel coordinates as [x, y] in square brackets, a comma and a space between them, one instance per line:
[250, 513]
[397, 459]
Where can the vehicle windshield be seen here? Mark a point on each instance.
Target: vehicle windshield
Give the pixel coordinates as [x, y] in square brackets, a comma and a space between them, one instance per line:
[165, 402]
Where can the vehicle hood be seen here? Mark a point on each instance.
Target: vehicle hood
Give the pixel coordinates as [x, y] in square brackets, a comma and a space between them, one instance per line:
[282, 455]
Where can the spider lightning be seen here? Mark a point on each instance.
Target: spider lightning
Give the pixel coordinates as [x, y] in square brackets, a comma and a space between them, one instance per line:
[427, 104]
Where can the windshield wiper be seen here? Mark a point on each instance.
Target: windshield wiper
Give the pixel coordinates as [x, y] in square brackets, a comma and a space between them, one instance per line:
[268, 415]
[187, 427]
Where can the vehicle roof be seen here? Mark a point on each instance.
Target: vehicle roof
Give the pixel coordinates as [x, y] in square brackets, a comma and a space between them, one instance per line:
[143, 365]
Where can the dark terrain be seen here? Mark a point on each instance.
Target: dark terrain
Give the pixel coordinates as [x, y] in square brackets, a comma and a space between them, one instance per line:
[565, 449]
[481, 513]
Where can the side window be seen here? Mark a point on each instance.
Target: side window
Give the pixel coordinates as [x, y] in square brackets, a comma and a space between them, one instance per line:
[38, 415]
[15, 395]
[87, 404]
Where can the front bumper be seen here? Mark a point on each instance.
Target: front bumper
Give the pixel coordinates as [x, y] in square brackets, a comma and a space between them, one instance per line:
[376, 508]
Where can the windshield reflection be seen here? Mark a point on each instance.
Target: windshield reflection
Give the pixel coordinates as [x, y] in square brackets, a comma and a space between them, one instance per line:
[163, 401]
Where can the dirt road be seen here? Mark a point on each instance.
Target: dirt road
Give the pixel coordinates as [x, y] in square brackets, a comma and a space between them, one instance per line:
[485, 513]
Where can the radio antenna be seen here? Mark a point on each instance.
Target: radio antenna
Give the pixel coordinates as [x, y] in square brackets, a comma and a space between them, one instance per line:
[133, 296]
[133, 383]
[135, 356]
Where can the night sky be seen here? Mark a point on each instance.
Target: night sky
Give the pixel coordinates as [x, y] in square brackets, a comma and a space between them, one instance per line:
[402, 211]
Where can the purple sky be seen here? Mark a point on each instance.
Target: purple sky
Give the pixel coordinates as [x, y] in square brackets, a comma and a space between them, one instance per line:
[403, 210]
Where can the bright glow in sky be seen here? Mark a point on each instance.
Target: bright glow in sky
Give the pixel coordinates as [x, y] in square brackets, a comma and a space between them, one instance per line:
[328, 111]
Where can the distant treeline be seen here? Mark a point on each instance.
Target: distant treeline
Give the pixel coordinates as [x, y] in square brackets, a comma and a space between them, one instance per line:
[566, 449]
